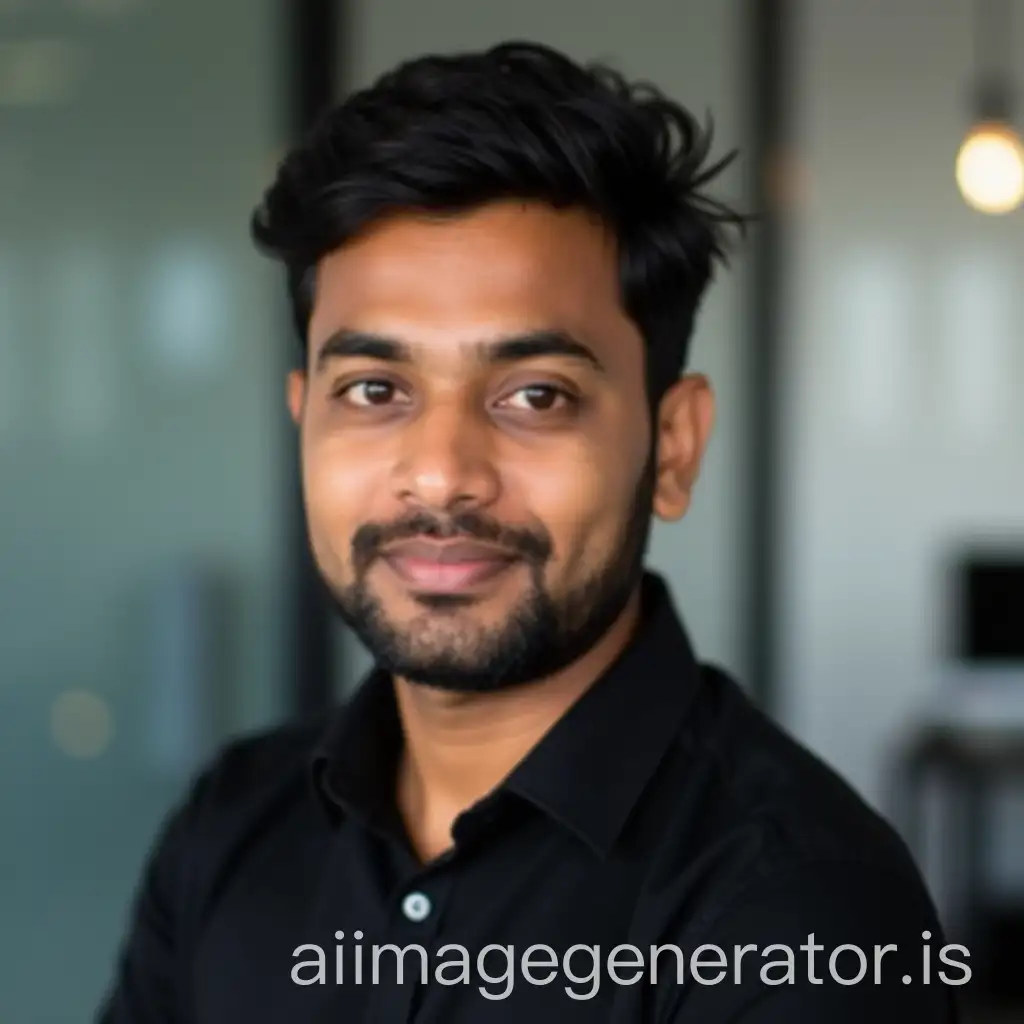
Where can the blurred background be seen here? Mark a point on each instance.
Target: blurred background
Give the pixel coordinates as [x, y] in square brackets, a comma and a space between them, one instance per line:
[855, 554]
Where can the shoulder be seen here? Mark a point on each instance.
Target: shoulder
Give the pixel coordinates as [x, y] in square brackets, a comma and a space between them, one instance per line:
[256, 763]
[252, 784]
[779, 857]
[252, 776]
[802, 809]
[759, 814]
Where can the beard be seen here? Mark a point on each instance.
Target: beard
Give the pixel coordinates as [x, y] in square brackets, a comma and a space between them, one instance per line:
[543, 632]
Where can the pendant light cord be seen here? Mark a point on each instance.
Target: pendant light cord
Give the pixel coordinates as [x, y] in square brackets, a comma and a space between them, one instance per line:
[993, 55]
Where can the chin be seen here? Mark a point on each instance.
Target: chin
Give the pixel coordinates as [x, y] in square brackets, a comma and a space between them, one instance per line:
[452, 675]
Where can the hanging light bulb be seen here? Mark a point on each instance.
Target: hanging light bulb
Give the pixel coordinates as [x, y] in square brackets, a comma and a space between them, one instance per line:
[990, 168]
[990, 161]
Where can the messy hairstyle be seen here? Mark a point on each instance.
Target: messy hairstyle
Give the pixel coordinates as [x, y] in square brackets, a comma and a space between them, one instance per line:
[445, 134]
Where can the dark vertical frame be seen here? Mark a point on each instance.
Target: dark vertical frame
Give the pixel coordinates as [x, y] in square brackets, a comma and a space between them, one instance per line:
[770, 28]
[311, 34]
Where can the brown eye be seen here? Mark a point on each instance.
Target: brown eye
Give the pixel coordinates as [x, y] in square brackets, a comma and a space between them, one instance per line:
[369, 392]
[540, 398]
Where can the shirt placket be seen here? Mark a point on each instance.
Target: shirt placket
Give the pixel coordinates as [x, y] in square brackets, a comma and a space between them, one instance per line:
[415, 918]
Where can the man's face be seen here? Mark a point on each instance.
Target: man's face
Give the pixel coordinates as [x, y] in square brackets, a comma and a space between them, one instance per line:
[477, 458]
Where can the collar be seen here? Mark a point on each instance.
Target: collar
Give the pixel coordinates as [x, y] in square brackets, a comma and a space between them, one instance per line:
[589, 770]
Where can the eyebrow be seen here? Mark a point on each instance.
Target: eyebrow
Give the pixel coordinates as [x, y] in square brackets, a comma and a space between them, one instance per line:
[347, 343]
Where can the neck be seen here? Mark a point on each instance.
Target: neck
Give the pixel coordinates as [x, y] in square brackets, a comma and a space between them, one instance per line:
[460, 746]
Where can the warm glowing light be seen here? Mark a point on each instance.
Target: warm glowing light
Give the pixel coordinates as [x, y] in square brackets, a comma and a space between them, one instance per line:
[990, 168]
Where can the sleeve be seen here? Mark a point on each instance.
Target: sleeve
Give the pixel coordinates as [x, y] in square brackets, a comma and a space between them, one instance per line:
[835, 944]
[146, 985]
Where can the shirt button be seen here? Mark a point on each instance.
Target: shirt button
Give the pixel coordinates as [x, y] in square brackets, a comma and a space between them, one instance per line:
[416, 906]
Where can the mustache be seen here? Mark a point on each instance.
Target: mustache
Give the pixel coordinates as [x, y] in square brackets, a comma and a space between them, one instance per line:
[533, 546]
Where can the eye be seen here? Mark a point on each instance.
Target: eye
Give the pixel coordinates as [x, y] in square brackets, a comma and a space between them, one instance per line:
[541, 398]
[367, 393]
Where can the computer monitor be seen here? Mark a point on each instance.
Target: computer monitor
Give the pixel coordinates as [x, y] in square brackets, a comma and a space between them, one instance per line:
[989, 610]
[982, 682]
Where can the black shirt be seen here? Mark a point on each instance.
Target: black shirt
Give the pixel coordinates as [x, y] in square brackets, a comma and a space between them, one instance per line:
[662, 810]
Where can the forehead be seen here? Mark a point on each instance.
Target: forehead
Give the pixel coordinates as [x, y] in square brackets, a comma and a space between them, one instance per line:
[506, 266]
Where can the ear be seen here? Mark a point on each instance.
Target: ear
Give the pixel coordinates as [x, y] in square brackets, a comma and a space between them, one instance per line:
[295, 389]
[686, 418]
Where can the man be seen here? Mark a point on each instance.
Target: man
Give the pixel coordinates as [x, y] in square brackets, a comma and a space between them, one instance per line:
[538, 807]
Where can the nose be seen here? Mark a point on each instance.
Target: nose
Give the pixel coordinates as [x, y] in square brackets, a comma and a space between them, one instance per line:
[446, 461]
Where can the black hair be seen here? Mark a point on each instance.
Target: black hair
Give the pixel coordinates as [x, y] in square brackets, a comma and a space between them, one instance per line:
[445, 134]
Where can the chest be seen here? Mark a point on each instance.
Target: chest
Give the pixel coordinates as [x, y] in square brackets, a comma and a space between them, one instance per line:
[532, 929]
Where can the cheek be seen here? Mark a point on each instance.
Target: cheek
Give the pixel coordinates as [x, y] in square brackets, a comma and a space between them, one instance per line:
[581, 500]
[338, 485]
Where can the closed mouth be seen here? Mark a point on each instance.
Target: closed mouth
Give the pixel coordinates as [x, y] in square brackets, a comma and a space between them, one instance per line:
[433, 568]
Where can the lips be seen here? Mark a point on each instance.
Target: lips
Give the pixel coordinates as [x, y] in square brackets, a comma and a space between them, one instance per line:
[446, 568]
